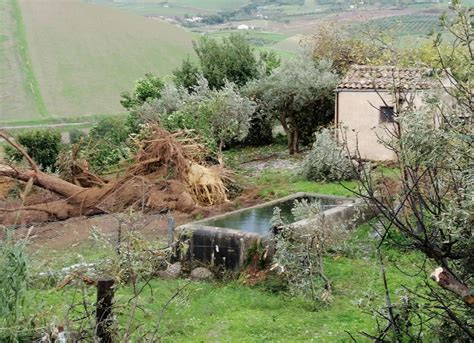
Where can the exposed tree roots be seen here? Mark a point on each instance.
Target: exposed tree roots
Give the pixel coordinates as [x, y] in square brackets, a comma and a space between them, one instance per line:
[167, 173]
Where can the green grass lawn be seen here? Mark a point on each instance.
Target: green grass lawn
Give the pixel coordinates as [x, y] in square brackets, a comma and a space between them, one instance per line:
[279, 184]
[229, 311]
[274, 184]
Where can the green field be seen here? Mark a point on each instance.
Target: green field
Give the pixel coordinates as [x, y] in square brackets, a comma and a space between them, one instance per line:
[256, 38]
[19, 92]
[68, 59]
[175, 7]
[82, 56]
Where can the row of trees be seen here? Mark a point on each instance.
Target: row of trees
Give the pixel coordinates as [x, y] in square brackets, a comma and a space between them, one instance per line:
[234, 95]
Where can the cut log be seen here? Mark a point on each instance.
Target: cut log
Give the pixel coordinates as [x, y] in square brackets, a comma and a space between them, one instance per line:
[447, 281]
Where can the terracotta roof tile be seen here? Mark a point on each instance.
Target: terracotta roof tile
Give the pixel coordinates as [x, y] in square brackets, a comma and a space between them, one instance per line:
[387, 77]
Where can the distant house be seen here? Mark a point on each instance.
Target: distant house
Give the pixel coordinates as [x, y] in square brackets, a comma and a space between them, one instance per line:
[243, 27]
[366, 104]
[193, 19]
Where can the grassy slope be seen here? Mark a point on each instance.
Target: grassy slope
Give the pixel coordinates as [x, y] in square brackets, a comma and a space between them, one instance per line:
[20, 96]
[85, 55]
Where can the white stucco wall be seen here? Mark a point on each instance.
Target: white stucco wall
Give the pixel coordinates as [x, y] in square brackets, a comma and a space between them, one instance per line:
[359, 113]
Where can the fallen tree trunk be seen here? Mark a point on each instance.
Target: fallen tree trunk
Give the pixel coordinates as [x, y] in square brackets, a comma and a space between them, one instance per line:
[77, 200]
[43, 180]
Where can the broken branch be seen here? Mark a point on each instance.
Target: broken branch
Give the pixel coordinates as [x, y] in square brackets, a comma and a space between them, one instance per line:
[8, 139]
[447, 281]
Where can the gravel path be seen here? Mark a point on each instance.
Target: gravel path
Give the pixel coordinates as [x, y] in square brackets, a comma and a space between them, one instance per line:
[280, 162]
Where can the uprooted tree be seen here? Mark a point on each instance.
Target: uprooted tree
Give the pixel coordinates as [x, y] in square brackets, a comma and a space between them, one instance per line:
[168, 172]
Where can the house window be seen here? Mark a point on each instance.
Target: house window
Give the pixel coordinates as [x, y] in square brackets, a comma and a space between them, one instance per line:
[387, 115]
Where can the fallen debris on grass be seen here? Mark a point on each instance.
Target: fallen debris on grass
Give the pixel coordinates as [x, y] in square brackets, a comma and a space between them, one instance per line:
[168, 172]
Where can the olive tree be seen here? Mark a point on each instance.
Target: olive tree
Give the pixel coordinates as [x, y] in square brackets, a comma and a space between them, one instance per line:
[430, 209]
[220, 116]
[299, 93]
[231, 114]
[327, 160]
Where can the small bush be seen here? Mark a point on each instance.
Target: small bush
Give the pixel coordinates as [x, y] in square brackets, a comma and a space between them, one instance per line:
[102, 156]
[107, 145]
[327, 161]
[75, 136]
[299, 251]
[260, 130]
[111, 129]
[43, 145]
[146, 88]
[16, 325]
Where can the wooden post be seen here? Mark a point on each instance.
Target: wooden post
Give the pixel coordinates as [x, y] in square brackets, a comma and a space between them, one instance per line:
[105, 296]
[170, 229]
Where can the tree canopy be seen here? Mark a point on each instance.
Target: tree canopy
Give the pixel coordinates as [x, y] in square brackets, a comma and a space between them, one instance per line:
[147, 87]
[187, 75]
[233, 60]
[300, 95]
[344, 49]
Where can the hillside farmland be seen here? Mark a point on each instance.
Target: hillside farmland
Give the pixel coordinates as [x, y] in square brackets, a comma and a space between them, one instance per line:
[17, 82]
[80, 50]
[175, 7]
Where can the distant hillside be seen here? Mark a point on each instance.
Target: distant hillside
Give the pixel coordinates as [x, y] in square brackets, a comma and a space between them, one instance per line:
[173, 8]
[17, 82]
[83, 55]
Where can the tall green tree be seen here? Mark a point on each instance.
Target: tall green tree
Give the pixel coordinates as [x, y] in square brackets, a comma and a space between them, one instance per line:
[233, 60]
[299, 93]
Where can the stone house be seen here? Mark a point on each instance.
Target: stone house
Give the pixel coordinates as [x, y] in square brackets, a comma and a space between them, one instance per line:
[368, 99]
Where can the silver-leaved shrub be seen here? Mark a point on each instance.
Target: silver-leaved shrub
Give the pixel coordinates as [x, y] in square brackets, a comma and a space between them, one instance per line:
[327, 161]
